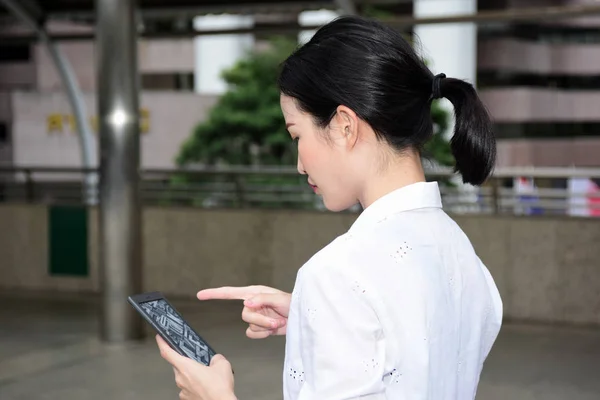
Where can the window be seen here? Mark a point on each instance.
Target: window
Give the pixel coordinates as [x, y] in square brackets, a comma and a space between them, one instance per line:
[545, 130]
[168, 81]
[542, 33]
[491, 79]
[14, 53]
[168, 25]
[4, 139]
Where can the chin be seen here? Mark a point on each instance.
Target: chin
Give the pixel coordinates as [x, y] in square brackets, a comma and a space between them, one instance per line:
[337, 206]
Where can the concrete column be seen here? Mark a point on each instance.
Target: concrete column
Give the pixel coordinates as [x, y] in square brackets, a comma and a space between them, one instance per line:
[215, 53]
[312, 18]
[120, 214]
[450, 49]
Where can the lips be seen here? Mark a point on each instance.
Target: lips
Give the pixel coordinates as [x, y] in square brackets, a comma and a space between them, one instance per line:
[314, 187]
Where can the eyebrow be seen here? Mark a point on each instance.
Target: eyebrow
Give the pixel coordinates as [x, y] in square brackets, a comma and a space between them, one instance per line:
[288, 125]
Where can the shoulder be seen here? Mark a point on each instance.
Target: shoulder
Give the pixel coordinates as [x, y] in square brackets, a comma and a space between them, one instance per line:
[333, 282]
[335, 267]
[382, 248]
[353, 255]
[331, 260]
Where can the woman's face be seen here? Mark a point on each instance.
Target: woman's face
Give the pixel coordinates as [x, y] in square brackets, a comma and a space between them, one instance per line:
[322, 155]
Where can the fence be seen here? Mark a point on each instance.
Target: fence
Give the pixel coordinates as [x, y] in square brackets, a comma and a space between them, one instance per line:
[539, 191]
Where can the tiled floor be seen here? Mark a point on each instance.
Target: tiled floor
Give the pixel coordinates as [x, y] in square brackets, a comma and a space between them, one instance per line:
[49, 351]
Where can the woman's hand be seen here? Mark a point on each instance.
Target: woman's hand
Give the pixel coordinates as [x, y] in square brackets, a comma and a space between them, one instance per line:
[265, 310]
[197, 381]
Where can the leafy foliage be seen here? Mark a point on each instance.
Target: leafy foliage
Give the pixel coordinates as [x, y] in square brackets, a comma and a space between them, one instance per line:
[438, 147]
[246, 125]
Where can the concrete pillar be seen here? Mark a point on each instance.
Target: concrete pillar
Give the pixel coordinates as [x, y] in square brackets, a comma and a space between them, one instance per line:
[312, 18]
[450, 49]
[120, 213]
[215, 53]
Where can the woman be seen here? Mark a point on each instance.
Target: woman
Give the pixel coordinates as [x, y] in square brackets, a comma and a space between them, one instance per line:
[400, 306]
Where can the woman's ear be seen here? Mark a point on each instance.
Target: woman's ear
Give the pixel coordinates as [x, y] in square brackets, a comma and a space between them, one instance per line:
[348, 121]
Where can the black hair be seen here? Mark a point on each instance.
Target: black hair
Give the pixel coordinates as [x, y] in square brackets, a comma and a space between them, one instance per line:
[370, 68]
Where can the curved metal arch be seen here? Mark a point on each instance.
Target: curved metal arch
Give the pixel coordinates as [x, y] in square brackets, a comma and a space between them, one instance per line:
[32, 16]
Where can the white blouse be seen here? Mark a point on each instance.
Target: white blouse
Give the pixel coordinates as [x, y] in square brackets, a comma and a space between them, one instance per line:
[399, 307]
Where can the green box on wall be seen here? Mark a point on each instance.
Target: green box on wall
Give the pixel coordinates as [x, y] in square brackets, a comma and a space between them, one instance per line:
[68, 241]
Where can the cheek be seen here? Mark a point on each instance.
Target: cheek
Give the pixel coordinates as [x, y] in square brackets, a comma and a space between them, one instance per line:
[322, 162]
[308, 154]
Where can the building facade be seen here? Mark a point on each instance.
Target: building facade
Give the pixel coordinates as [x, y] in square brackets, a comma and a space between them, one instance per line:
[540, 81]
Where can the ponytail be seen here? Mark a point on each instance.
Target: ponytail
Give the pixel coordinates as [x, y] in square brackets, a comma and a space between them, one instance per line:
[473, 143]
[370, 68]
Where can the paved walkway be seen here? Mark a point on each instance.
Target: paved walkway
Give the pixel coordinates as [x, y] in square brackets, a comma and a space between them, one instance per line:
[49, 351]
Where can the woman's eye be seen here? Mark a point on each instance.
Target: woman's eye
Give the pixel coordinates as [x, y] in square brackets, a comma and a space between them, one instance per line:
[296, 139]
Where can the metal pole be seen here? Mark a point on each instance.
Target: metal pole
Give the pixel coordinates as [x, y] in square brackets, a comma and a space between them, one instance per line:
[86, 138]
[120, 214]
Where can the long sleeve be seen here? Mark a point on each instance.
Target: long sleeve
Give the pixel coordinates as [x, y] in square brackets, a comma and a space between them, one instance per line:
[343, 345]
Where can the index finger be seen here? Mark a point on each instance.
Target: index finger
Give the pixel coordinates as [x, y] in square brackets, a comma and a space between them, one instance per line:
[231, 293]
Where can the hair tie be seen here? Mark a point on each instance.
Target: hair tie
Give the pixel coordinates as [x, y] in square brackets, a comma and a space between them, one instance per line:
[436, 91]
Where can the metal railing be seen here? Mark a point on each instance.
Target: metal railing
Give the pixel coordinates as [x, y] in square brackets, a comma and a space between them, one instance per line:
[282, 187]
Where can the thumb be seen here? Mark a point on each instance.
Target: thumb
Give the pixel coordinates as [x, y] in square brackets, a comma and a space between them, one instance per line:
[168, 353]
[272, 300]
[220, 363]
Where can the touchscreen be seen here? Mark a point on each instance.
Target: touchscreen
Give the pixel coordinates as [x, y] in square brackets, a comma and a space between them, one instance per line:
[173, 325]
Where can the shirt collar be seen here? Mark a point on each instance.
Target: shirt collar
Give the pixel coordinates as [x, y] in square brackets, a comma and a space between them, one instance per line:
[412, 197]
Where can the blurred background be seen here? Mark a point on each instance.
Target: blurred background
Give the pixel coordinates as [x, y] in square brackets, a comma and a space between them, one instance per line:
[142, 148]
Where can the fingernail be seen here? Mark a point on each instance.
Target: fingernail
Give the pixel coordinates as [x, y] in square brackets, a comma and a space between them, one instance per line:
[274, 324]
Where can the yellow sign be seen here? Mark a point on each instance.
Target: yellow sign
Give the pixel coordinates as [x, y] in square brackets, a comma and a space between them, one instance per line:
[65, 123]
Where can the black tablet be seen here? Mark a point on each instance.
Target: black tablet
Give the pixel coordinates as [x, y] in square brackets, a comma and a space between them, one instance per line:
[171, 326]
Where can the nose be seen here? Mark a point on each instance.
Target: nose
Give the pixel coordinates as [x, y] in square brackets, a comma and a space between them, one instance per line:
[300, 167]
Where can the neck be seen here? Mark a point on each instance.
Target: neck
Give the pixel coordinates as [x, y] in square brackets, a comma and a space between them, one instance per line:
[401, 172]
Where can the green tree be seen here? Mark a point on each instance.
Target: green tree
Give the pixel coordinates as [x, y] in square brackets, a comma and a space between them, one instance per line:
[246, 125]
[438, 148]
